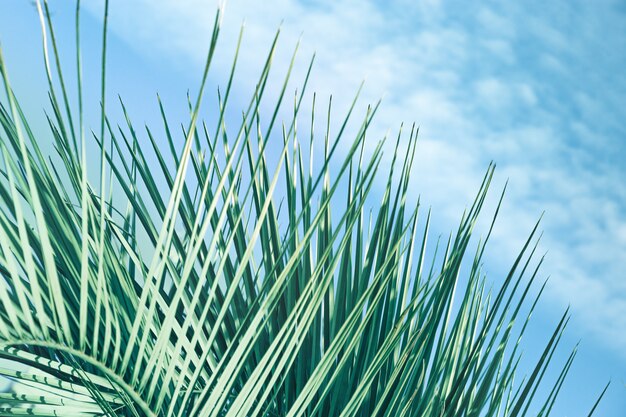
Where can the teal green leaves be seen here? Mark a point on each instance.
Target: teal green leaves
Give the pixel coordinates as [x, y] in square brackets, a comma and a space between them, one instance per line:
[224, 272]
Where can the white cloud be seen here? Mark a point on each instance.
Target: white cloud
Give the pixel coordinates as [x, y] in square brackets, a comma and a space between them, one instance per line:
[495, 23]
[472, 107]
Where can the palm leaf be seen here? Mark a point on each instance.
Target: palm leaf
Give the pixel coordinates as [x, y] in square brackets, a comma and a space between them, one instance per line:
[199, 276]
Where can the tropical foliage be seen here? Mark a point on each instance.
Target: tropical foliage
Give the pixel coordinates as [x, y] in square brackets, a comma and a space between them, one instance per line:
[202, 275]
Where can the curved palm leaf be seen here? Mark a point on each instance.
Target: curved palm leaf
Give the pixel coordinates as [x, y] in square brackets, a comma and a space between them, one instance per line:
[203, 280]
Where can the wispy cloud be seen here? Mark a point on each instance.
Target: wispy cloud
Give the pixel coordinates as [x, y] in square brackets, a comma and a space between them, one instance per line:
[535, 89]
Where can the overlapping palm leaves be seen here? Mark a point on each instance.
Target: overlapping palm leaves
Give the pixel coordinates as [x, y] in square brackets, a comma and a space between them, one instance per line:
[198, 278]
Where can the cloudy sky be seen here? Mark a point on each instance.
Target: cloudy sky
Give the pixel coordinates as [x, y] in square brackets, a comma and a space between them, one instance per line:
[538, 88]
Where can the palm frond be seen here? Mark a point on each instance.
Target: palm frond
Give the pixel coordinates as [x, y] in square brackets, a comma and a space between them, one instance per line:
[204, 276]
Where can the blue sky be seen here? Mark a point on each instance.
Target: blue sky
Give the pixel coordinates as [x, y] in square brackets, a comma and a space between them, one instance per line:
[538, 88]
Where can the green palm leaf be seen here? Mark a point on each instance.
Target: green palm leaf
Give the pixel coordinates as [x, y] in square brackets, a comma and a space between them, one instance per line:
[201, 277]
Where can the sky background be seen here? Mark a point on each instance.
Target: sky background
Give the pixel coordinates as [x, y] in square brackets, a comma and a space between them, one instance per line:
[538, 88]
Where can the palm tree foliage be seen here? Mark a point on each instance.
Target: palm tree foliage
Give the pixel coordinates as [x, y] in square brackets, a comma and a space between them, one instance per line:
[197, 278]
